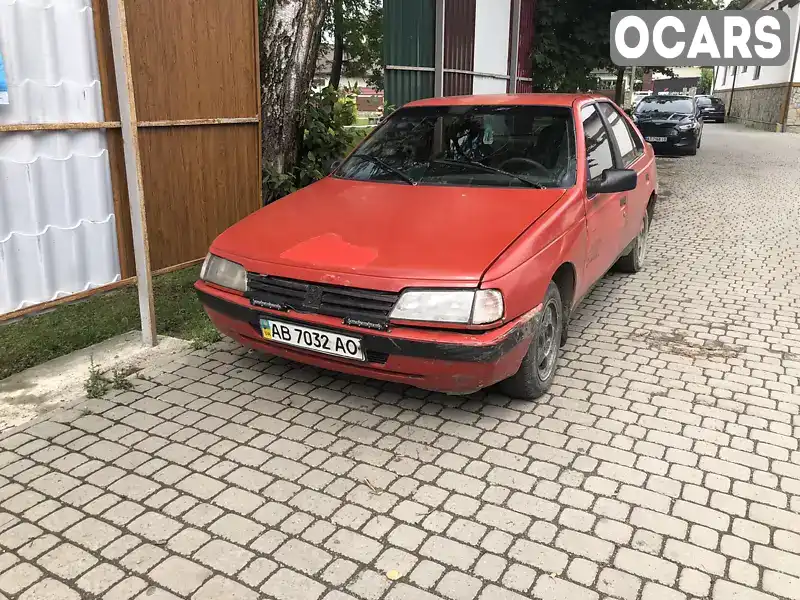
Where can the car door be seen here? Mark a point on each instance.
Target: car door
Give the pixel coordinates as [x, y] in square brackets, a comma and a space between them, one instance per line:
[604, 220]
[629, 154]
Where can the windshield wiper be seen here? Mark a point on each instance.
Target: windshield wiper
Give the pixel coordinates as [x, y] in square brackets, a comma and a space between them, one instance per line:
[488, 169]
[385, 166]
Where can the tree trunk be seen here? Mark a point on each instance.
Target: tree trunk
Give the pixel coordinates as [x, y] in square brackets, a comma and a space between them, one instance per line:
[290, 40]
[619, 90]
[338, 45]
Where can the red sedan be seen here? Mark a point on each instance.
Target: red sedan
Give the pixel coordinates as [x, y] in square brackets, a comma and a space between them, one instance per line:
[449, 249]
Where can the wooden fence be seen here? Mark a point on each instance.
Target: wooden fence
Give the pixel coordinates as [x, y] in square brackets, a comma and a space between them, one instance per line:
[193, 98]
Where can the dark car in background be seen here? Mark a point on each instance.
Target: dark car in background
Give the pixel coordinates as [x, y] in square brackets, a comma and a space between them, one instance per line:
[672, 124]
[712, 108]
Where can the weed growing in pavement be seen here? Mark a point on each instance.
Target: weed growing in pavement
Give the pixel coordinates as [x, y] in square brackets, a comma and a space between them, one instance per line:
[97, 384]
[119, 379]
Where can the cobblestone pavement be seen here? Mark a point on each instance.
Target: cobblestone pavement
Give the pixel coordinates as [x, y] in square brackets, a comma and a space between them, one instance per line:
[663, 466]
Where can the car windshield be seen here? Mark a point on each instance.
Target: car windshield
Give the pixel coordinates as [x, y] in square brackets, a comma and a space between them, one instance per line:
[653, 105]
[481, 146]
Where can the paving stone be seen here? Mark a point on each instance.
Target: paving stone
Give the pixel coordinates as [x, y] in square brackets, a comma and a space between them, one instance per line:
[179, 575]
[100, 578]
[92, 533]
[221, 587]
[289, 585]
[369, 585]
[302, 556]
[459, 586]
[50, 589]
[354, 546]
[538, 556]
[67, 561]
[143, 558]
[519, 577]
[155, 527]
[449, 552]
[553, 588]
[19, 577]
[223, 556]
[236, 529]
[339, 571]
[257, 571]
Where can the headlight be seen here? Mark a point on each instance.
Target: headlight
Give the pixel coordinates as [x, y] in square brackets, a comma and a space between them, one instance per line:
[685, 127]
[467, 306]
[224, 273]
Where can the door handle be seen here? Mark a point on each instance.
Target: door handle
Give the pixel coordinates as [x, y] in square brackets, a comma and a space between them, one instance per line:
[623, 201]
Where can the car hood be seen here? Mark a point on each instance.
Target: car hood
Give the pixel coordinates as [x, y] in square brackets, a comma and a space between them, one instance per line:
[386, 230]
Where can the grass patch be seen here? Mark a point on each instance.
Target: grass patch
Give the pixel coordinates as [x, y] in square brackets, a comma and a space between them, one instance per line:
[34, 340]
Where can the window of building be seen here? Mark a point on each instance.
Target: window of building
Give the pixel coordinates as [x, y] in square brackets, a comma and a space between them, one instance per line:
[598, 145]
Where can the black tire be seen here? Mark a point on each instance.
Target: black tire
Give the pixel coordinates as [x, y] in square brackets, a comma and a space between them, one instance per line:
[633, 261]
[699, 141]
[693, 150]
[537, 371]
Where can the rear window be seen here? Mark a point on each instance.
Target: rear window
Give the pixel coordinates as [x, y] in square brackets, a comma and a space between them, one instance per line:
[704, 102]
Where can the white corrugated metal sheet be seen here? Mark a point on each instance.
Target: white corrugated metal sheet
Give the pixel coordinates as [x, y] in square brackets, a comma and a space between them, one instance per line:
[57, 222]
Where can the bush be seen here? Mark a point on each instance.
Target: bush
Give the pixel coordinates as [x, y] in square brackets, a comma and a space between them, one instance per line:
[325, 116]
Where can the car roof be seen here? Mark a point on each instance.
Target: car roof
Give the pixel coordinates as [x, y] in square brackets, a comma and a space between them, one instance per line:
[507, 100]
[670, 96]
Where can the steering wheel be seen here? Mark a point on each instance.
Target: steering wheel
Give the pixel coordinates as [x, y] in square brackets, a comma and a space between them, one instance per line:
[525, 162]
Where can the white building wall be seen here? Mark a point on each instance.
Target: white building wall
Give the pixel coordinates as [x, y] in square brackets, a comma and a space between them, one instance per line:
[492, 24]
[768, 75]
[57, 222]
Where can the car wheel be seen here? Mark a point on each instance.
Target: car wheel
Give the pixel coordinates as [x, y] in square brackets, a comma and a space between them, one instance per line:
[693, 150]
[633, 261]
[538, 368]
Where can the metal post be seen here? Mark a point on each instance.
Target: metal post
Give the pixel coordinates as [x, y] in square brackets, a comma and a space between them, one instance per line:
[133, 167]
[733, 89]
[438, 77]
[790, 85]
[516, 8]
[632, 83]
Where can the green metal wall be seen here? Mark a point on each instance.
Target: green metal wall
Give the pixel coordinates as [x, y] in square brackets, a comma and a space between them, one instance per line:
[409, 38]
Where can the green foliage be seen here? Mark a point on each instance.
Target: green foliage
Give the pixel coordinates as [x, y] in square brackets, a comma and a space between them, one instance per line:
[324, 120]
[362, 36]
[572, 38]
[97, 384]
[706, 80]
[39, 338]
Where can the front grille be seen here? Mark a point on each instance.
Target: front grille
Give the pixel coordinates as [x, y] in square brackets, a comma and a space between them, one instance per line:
[367, 308]
[665, 129]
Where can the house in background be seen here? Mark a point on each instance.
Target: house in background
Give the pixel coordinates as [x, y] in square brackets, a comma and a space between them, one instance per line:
[368, 99]
[457, 47]
[765, 97]
[685, 81]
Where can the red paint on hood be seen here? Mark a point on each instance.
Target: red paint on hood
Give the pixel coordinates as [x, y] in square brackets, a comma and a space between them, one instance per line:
[388, 230]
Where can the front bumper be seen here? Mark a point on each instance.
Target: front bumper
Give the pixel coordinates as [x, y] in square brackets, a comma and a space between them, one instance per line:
[676, 141]
[438, 360]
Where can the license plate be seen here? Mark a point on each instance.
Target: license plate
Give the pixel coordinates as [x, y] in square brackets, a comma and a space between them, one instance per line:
[309, 338]
[656, 139]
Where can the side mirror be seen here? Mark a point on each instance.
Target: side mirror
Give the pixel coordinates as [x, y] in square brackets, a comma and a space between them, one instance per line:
[613, 180]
